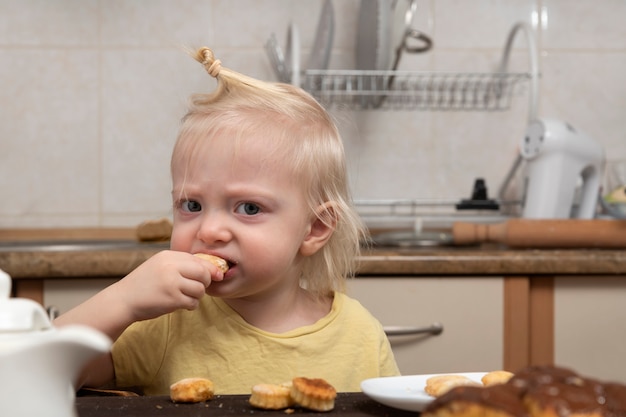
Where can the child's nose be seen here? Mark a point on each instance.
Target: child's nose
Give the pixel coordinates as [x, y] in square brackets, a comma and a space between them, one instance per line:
[214, 228]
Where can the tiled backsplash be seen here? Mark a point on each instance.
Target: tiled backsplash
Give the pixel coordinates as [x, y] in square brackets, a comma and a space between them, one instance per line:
[92, 92]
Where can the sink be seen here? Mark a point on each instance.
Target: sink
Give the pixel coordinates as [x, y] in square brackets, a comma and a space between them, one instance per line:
[411, 239]
[79, 245]
[416, 224]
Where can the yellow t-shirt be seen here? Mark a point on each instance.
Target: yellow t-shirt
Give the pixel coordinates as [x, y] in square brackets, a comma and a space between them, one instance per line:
[345, 347]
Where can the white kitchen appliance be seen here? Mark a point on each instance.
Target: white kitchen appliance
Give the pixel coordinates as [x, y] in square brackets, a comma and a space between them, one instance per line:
[563, 171]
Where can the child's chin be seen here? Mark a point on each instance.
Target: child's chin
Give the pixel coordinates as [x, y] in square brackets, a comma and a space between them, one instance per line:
[217, 289]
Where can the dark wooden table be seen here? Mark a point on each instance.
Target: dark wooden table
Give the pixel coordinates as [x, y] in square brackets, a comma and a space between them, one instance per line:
[346, 404]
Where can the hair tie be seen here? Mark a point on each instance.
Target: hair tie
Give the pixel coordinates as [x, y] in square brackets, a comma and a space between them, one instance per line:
[211, 65]
[215, 68]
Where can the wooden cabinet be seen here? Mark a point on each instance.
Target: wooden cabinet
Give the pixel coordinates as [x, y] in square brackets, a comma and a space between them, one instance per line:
[590, 325]
[470, 310]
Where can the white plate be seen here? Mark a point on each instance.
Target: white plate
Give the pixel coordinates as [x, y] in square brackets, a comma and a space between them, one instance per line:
[405, 392]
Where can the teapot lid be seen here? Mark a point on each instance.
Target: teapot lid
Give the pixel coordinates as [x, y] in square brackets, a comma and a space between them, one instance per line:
[19, 315]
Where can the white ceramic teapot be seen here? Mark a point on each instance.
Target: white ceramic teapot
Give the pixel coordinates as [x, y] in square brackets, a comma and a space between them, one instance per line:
[39, 364]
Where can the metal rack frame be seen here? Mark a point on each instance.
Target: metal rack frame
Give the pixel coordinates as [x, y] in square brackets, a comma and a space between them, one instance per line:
[419, 90]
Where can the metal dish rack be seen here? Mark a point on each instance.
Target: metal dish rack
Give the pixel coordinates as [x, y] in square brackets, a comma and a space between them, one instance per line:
[410, 90]
[397, 90]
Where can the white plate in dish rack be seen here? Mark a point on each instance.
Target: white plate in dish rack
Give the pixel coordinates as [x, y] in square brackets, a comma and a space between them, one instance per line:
[405, 392]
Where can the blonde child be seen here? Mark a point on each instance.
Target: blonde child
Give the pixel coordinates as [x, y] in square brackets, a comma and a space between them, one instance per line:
[259, 179]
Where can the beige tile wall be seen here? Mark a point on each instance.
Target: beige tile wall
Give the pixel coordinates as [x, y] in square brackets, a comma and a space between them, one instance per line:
[91, 92]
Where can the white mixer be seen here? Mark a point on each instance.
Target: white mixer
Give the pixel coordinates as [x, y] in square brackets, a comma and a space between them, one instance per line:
[563, 171]
[563, 166]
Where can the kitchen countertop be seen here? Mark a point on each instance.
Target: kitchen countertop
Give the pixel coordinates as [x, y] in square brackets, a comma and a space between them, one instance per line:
[484, 260]
[60, 259]
[346, 404]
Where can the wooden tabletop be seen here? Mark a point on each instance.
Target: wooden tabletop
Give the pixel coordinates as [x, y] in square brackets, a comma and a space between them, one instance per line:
[346, 404]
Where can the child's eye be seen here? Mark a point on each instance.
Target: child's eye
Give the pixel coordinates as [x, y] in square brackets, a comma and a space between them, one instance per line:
[249, 209]
[191, 206]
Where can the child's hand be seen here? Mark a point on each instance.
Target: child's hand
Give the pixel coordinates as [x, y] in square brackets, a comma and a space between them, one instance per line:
[166, 282]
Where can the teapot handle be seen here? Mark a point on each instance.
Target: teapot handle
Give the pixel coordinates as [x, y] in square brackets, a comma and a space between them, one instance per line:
[5, 285]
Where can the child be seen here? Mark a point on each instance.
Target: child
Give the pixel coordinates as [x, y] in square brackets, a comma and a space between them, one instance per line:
[259, 179]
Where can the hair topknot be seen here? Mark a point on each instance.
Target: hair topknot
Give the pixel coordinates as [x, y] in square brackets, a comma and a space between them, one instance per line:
[206, 57]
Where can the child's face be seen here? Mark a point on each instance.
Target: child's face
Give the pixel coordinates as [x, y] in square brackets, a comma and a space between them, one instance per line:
[242, 204]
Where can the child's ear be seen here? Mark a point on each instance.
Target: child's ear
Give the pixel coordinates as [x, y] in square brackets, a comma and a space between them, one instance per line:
[320, 230]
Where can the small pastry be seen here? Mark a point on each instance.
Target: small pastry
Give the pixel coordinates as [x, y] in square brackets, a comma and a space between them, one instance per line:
[438, 385]
[496, 377]
[271, 396]
[314, 394]
[191, 390]
[217, 261]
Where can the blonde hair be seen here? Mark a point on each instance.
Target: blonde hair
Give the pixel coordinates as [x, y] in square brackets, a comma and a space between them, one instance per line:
[306, 138]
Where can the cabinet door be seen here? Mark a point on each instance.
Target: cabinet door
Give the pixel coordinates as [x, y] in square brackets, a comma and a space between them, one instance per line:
[590, 326]
[64, 294]
[470, 310]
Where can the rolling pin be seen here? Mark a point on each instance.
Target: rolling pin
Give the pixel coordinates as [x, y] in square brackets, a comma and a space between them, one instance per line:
[536, 233]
